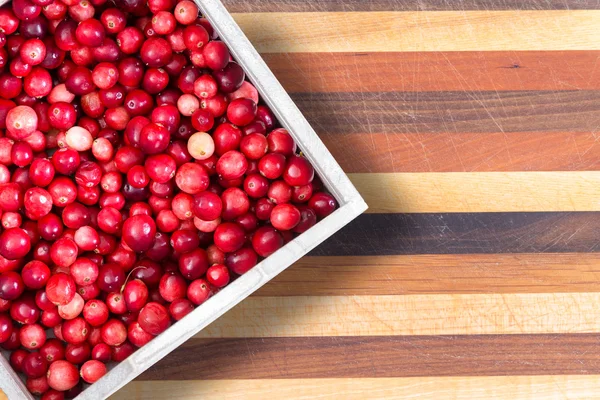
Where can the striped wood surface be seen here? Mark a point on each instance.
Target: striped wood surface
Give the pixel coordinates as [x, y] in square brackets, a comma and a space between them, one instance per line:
[471, 127]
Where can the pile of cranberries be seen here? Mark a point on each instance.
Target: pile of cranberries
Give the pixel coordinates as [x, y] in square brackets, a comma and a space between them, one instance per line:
[139, 175]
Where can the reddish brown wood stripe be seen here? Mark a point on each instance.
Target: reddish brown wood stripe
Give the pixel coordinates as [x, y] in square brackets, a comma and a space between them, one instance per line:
[404, 5]
[465, 152]
[436, 71]
[451, 112]
[435, 274]
[379, 356]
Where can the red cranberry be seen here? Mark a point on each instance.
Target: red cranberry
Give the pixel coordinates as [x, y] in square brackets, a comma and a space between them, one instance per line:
[192, 178]
[34, 365]
[172, 287]
[322, 204]
[216, 55]
[14, 243]
[62, 375]
[136, 295]
[232, 165]
[110, 277]
[229, 237]
[230, 79]
[218, 275]
[266, 241]
[272, 165]
[35, 274]
[198, 291]
[92, 370]
[154, 318]
[138, 232]
[78, 353]
[241, 260]
[180, 308]
[156, 52]
[235, 203]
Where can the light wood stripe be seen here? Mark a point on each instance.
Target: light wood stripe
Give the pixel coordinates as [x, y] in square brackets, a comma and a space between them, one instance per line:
[418, 31]
[463, 314]
[546, 387]
[437, 274]
[480, 191]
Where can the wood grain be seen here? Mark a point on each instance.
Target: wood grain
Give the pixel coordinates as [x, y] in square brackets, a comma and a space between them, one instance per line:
[435, 274]
[439, 314]
[453, 112]
[479, 191]
[436, 71]
[464, 233]
[418, 31]
[549, 387]
[465, 152]
[378, 357]
[404, 5]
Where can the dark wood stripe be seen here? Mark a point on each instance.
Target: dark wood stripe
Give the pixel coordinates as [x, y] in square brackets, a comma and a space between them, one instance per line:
[454, 112]
[378, 357]
[465, 152]
[436, 274]
[436, 71]
[404, 5]
[465, 233]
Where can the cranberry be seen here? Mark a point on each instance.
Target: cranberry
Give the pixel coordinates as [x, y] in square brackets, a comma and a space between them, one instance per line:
[138, 232]
[186, 12]
[207, 206]
[120, 353]
[272, 165]
[24, 310]
[14, 243]
[90, 33]
[154, 318]
[248, 91]
[229, 237]
[230, 79]
[113, 20]
[180, 308]
[167, 115]
[156, 52]
[101, 352]
[154, 138]
[34, 365]
[198, 291]
[218, 275]
[6, 328]
[114, 332]
[62, 375]
[254, 146]
[35, 274]
[241, 260]
[60, 289]
[192, 178]
[322, 204]
[266, 241]
[78, 353]
[110, 277]
[256, 185]
[130, 40]
[92, 370]
[53, 350]
[136, 295]
[216, 55]
[232, 165]
[235, 203]
[16, 359]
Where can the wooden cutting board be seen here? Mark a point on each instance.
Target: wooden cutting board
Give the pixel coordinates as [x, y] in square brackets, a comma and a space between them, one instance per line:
[472, 129]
